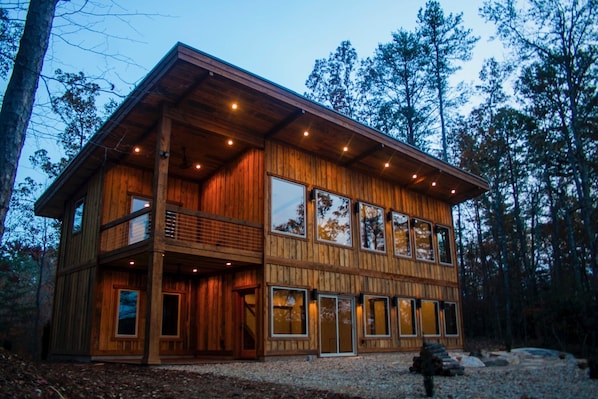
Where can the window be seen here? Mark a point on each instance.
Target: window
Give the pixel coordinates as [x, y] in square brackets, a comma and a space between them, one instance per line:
[139, 227]
[371, 222]
[424, 249]
[450, 319]
[429, 314]
[78, 216]
[128, 304]
[375, 310]
[288, 207]
[443, 237]
[407, 321]
[333, 218]
[400, 232]
[170, 315]
[289, 312]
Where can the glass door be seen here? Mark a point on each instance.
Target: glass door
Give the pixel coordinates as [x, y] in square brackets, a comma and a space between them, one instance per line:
[337, 326]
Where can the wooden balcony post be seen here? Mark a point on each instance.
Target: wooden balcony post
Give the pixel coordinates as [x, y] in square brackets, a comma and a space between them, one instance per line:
[153, 321]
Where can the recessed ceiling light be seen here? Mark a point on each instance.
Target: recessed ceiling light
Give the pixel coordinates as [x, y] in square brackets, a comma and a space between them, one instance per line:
[229, 263]
[414, 176]
[197, 166]
[453, 191]
[230, 142]
[433, 184]
[132, 262]
[137, 149]
[306, 133]
[345, 148]
[234, 106]
[194, 270]
[387, 164]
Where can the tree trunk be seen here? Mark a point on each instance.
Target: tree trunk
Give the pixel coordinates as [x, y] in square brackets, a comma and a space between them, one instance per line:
[20, 95]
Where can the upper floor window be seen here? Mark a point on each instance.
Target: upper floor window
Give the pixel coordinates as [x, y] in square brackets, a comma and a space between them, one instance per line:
[289, 312]
[333, 218]
[78, 216]
[443, 237]
[371, 222]
[401, 236]
[424, 248]
[126, 317]
[375, 310]
[288, 207]
[139, 227]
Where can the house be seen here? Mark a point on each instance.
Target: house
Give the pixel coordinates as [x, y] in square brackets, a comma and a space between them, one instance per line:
[217, 214]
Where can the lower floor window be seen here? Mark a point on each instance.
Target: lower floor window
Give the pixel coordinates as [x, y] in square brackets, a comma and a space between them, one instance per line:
[407, 320]
[289, 311]
[450, 319]
[128, 305]
[170, 315]
[429, 316]
[375, 309]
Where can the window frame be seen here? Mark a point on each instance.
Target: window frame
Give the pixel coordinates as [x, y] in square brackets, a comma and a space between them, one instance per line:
[178, 316]
[432, 249]
[394, 233]
[78, 216]
[305, 315]
[349, 243]
[380, 214]
[303, 199]
[449, 250]
[456, 307]
[437, 318]
[413, 317]
[118, 312]
[134, 236]
[366, 311]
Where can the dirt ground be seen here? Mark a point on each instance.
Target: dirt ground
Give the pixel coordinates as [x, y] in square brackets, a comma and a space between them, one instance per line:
[24, 379]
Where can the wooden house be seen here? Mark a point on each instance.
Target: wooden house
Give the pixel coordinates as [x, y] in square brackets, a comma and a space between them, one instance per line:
[219, 214]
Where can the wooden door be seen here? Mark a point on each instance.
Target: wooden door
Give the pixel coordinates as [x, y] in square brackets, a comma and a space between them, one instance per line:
[247, 324]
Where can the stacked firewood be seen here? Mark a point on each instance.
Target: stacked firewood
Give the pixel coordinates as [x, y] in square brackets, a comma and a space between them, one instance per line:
[442, 363]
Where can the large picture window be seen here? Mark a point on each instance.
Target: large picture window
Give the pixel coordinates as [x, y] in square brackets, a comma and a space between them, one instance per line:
[333, 218]
[400, 232]
[170, 315]
[443, 238]
[424, 248]
[78, 216]
[289, 312]
[429, 315]
[407, 319]
[371, 222]
[288, 207]
[375, 310]
[451, 325]
[126, 318]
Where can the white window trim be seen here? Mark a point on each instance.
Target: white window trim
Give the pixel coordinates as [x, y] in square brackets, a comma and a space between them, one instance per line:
[456, 321]
[78, 228]
[432, 239]
[394, 247]
[450, 245]
[421, 316]
[118, 314]
[414, 309]
[285, 233]
[365, 322]
[316, 224]
[362, 204]
[306, 310]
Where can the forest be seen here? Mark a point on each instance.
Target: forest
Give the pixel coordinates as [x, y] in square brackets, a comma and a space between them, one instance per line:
[527, 250]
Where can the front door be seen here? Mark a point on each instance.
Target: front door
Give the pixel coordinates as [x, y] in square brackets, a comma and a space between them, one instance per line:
[337, 326]
[247, 336]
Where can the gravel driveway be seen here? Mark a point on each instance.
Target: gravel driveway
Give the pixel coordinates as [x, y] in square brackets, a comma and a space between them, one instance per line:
[387, 376]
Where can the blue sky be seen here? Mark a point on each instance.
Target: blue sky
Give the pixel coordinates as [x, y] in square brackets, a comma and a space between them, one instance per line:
[277, 40]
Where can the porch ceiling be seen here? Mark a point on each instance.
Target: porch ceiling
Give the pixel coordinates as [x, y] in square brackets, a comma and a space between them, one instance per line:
[198, 92]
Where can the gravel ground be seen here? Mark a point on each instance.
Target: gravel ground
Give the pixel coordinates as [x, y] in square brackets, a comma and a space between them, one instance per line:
[387, 376]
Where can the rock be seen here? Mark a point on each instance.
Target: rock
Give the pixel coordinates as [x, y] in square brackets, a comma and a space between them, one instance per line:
[442, 363]
[497, 362]
[471, 361]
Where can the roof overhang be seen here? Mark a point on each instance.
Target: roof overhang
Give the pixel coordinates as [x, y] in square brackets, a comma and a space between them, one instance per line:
[195, 90]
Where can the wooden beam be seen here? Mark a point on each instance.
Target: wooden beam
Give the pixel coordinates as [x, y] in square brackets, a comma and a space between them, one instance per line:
[153, 324]
[284, 123]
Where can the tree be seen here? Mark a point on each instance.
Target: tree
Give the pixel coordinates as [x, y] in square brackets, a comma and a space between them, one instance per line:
[19, 97]
[332, 81]
[445, 43]
[394, 86]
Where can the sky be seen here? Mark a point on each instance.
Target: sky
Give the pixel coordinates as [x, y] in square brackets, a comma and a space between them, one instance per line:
[277, 40]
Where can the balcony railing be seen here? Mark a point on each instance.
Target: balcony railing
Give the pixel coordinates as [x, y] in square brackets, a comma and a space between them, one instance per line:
[183, 225]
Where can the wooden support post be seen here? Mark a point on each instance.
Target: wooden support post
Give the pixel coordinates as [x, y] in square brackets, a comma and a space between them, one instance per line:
[153, 321]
